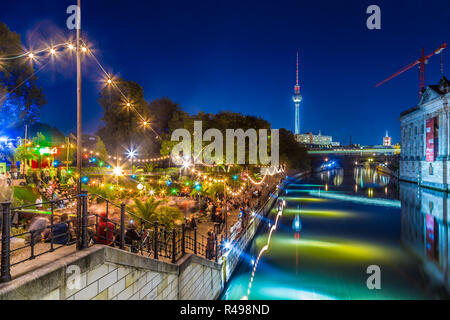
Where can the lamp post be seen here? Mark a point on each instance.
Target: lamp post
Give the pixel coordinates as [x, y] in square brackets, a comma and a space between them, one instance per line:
[79, 122]
[67, 153]
[226, 208]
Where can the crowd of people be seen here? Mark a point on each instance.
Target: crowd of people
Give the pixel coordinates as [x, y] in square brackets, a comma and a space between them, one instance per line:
[216, 210]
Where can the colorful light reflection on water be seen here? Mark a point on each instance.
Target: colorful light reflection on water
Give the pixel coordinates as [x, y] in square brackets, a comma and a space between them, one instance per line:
[339, 239]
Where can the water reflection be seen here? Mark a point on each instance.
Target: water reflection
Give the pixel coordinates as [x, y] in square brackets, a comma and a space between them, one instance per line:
[425, 228]
[331, 231]
[368, 180]
[332, 177]
[369, 177]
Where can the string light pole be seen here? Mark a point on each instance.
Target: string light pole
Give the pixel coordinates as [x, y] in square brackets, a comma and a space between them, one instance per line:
[226, 208]
[79, 119]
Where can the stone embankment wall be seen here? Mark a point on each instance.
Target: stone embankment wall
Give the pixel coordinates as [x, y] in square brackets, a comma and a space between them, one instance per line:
[106, 273]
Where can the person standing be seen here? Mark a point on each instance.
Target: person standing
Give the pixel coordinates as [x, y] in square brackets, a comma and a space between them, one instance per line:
[210, 245]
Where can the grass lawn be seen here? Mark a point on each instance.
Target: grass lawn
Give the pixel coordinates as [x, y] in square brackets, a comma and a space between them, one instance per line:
[26, 194]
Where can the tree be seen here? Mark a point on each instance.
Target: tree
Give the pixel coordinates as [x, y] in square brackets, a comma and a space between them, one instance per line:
[20, 98]
[24, 153]
[167, 117]
[122, 124]
[293, 154]
[100, 148]
[222, 121]
[213, 189]
[40, 140]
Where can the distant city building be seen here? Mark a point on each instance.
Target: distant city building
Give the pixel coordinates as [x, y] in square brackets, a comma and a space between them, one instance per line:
[425, 139]
[319, 140]
[387, 140]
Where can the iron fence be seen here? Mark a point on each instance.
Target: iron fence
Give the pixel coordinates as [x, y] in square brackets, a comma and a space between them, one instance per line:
[147, 238]
[85, 228]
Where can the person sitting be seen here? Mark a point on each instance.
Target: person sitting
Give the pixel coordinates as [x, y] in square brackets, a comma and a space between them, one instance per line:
[132, 237]
[36, 228]
[105, 231]
[61, 231]
[39, 203]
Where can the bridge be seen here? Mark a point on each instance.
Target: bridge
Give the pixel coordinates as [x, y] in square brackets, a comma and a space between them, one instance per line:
[349, 157]
[357, 151]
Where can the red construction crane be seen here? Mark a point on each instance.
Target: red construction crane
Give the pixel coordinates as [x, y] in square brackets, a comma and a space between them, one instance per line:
[421, 62]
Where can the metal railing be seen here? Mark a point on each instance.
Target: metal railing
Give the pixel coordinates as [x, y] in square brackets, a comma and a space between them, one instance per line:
[149, 239]
[48, 232]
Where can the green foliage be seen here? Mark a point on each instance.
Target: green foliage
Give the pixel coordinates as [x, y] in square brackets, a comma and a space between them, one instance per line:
[105, 192]
[41, 140]
[293, 154]
[24, 195]
[121, 124]
[23, 153]
[213, 189]
[16, 77]
[147, 210]
[152, 211]
[170, 217]
[222, 121]
[100, 148]
[148, 167]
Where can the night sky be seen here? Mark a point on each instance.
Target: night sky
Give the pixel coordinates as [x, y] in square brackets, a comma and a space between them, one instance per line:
[240, 56]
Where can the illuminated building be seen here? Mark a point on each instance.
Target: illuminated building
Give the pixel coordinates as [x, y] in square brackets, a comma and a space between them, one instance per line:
[387, 141]
[425, 155]
[318, 140]
[297, 98]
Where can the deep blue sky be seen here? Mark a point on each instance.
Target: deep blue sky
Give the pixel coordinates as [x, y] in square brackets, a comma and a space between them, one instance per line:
[240, 56]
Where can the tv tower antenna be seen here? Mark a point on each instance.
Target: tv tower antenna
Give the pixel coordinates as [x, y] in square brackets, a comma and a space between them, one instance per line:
[297, 98]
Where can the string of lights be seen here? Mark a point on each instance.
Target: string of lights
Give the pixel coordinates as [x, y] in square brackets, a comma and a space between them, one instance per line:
[273, 228]
[127, 102]
[53, 50]
[32, 54]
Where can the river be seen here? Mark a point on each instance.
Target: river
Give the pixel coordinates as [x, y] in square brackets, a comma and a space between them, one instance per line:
[349, 234]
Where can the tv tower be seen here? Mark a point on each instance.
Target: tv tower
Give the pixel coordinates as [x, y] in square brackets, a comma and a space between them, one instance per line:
[297, 97]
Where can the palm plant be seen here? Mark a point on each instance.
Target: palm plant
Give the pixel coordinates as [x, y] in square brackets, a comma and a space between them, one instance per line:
[147, 210]
[169, 216]
[148, 167]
